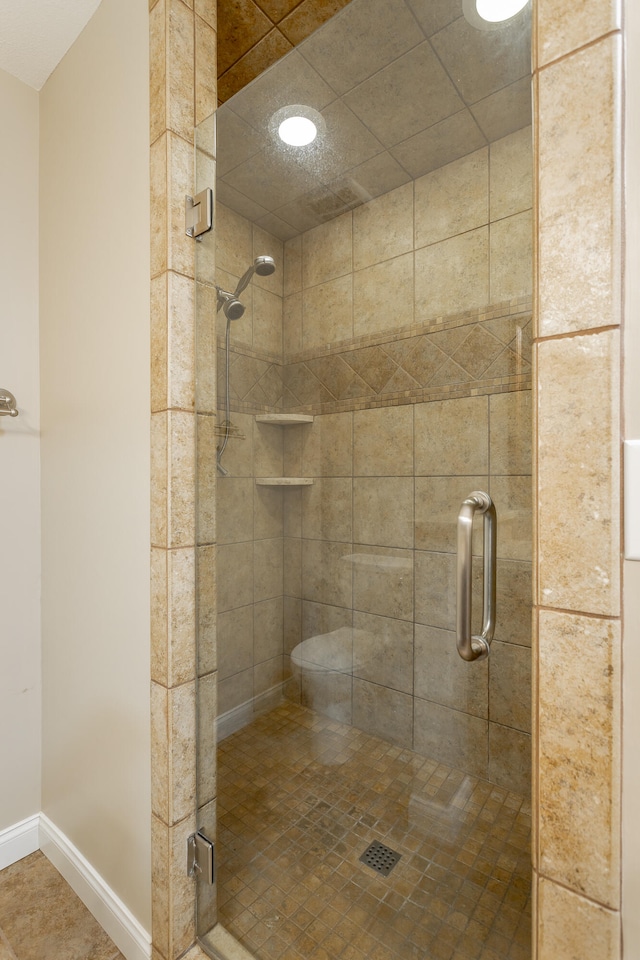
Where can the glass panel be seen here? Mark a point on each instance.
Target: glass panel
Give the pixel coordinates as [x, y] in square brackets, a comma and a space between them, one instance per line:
[372, 372]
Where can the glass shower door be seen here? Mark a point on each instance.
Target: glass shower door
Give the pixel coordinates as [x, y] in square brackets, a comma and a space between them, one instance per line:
[367, 788]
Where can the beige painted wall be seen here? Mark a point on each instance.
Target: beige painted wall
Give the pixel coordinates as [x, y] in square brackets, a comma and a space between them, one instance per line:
[19, 456]
[94, 249]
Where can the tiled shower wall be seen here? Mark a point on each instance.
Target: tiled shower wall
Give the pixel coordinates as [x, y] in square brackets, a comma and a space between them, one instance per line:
[390, 471]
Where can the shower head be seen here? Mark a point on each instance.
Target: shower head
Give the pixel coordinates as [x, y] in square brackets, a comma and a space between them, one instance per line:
[232, 307]
[263, 266]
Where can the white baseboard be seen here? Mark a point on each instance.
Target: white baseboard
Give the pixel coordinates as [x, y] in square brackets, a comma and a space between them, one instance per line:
[113, 916]
[19, 841]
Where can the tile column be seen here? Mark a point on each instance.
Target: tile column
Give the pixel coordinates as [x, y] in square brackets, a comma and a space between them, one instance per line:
[577, 91]
[182, 92]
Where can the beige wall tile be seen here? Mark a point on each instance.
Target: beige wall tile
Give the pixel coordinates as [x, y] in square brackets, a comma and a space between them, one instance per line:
[452, 199]
[327, 312]
[453, 275]
[208, 10]
[510, 432]
[514, 600]
[292, 567]
[159, 205]
[268, 449]
[383, 442]
[383, 651]
[383, 712]
[451, 737]
[292, 324]
[442, 676]
[267, 321]
[181, 342]
[510, 174]
[173, 728]
[437, 504]
[267, 569]
[510, 256]
[292, 272]
[268, 626]
[451, 437]
[267, 676]
[234, 242]
[206, 585]
[159, 616]
[579, 717]
[157, 71]
[181, 252]
[383, 581]
[435, 589]
[205, 70]
[569, 926]
[235, 589]
[206, 741]
[383, 296]
[180, 68]
[579, 552]
[327, 446]
[327, 509]
[160, 773]
[326, 251]
[205, 335]
[383, 511]
[235, 690]
[268, 514]
[326, 574]
[181, 460]
[510, 758]
[510, 685]
[235, 509]
[512, 497]
[159, 337]
[383, 228]
[181, 586]
[579, 191]
[235, 641]
[206, 479]
[562, 30]
[159, 478]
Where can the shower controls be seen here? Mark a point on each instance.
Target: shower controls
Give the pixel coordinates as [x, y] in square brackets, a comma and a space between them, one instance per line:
[470, 647]
[198, 213]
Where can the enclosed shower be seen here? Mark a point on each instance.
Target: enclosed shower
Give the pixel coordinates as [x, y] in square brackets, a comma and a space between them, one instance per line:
[364, 685]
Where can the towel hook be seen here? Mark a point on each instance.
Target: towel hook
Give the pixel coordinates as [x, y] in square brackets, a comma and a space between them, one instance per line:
[8, 406]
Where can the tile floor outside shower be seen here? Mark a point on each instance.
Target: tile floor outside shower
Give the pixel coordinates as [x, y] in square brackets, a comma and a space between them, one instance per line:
[41, 918]
[301, 797]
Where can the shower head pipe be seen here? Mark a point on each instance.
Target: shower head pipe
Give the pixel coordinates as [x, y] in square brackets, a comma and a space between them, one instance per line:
[263, 266]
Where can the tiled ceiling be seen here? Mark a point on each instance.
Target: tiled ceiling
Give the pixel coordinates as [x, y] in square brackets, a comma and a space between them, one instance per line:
[403, 86]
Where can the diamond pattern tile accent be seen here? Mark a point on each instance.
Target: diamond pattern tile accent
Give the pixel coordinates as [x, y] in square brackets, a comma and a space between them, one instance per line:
[455, 356]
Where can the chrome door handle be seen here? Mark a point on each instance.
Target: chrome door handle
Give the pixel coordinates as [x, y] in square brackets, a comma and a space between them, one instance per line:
[470, 647]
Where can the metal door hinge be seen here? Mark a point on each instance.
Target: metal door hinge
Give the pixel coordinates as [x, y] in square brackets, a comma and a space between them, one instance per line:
[200, 857]
[198, 213]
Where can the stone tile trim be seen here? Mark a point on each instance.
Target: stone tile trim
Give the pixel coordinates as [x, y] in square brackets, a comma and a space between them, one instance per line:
[472, 354]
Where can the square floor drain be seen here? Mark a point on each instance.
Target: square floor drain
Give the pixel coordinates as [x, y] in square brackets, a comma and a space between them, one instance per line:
[380, 858]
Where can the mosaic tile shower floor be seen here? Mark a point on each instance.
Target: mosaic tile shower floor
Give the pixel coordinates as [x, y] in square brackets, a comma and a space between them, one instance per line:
[301, 797]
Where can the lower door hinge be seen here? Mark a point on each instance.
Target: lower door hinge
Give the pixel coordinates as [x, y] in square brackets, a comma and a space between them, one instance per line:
[200, 857]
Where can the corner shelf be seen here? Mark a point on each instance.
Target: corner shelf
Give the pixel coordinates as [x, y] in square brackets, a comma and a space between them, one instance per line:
[284, 481]
[283, 419]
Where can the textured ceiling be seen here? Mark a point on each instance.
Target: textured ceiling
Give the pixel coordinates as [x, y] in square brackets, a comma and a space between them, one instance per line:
[36, 34]
[403, 86]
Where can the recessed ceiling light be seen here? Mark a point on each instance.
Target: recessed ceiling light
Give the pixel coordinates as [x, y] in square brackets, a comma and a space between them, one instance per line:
[297, 131]
[297, 125]
[491, 14]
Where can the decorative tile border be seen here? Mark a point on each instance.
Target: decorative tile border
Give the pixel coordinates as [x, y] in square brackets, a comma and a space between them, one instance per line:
[479, 352]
